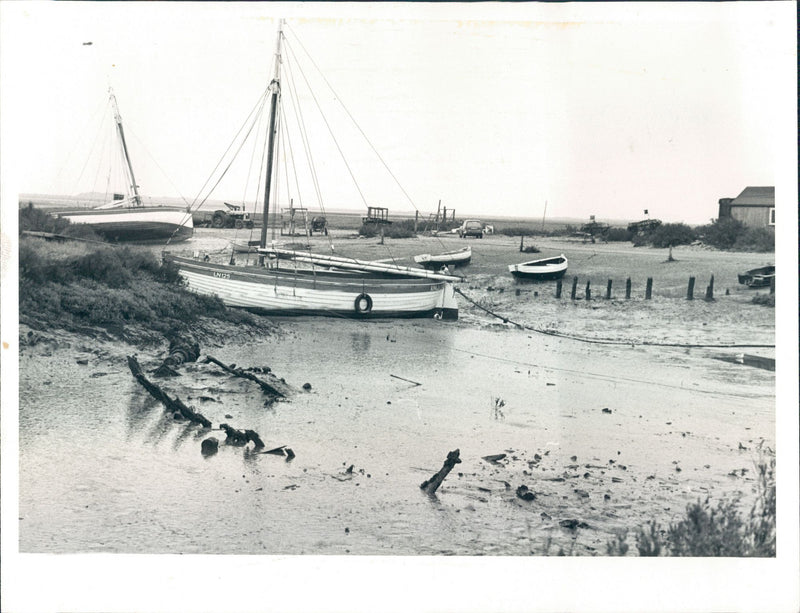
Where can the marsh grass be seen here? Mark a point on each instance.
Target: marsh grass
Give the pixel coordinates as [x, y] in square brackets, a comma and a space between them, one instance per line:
[715, 530]
[73, 286]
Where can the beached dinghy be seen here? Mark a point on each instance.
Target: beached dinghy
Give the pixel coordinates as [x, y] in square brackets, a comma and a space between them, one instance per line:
[127, 219]
[288, 282]
[458, 257]
[758, 277]
[540, 270]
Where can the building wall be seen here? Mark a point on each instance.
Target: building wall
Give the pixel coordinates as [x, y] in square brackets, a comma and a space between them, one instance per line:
[755, 216]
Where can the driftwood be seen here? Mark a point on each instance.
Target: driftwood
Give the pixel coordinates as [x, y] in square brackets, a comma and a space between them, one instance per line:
[241, 437]
[173, 404]
[275, 387]
[180, 350]
[432, 484]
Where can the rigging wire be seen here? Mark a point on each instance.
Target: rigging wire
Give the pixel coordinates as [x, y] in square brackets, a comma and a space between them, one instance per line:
[224, 172]
[101, 129]
[603, 341]
[330, 131]
[303, 132]
[257, 108]
[358, 127]
[153, 159]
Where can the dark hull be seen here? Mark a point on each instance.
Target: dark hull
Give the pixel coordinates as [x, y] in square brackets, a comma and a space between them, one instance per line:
[137, 224]
[758, 277]
[142, 232]
[540, 276]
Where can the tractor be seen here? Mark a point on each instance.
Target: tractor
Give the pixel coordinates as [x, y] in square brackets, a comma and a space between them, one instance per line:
[234, 217]
[318, 224]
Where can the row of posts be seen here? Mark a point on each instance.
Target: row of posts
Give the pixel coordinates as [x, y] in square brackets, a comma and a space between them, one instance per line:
[648, 291]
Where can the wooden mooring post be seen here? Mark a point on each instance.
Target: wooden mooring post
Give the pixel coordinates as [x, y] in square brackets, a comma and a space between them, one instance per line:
[574, 288]
[588, 290]
[608, 290]
[558, 289]
[648, 290]
[710, 290]
[690, 290]
[628, 288]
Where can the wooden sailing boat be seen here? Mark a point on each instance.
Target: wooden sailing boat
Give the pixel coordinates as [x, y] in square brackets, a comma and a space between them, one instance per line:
[302, 283]
[126, 218]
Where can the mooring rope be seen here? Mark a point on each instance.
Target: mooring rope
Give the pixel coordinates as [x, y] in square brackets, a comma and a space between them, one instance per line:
[606, 341]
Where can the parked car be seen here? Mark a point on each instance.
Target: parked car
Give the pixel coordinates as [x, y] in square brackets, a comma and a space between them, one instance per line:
[471, 227]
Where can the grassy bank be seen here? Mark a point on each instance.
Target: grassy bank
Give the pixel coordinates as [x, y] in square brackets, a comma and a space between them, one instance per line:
[124, 291]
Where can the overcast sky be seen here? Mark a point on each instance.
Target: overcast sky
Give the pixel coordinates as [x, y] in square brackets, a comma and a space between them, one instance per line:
[595, 110]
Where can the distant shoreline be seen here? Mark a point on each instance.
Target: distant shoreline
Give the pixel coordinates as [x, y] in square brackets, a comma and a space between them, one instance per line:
[56, 202]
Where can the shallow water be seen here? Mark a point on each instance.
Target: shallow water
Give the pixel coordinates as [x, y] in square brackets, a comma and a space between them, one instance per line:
[104, 469]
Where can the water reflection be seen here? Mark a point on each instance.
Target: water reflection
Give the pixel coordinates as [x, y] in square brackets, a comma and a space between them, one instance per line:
[139, 413]
[360, 342]
[188, 429]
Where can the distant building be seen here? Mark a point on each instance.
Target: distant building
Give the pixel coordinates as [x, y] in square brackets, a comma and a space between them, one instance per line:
[755, 207]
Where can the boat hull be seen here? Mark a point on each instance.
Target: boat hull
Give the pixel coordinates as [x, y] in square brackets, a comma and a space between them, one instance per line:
[758, 277]
[546, 269]
[453, 258]
[287, 291]
[538, 276]
[141, 224]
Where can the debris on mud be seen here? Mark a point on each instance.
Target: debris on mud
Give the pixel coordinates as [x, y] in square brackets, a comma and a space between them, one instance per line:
[176, 406]
[181, 350]
[432, 484]
[525, 494]
[270, 384]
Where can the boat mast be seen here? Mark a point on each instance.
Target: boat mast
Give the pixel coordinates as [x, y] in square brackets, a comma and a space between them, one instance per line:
[276, 89]
[136, 197]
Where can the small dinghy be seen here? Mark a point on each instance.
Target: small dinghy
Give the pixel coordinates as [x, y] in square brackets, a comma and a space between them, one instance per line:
[242, 246]
[540, 270]
[449, 258]
[758, 277]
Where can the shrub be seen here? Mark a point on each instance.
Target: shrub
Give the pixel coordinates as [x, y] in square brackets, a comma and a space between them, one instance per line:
[36, 220]
[519, 231]
[721, 233]
[399, 229]
[755, 239]
[109, 287]
[618, 235]
[730, 233]
[672, 234]
[719, 530]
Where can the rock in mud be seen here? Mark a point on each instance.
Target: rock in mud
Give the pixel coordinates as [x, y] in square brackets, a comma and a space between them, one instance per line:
[525, 494]
[572, 524]
[209, 446]
[307, 386]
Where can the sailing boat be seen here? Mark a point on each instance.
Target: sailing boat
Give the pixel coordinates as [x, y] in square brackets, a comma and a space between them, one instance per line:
[126, 218]
[313, 284]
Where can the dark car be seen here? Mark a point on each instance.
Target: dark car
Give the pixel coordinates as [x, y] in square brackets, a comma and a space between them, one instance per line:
[471, 227]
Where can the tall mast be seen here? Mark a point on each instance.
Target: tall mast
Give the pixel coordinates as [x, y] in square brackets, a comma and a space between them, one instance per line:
[276, 90]
[136, 197]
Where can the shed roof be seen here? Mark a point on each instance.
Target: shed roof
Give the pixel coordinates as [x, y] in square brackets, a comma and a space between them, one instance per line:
[755, 196]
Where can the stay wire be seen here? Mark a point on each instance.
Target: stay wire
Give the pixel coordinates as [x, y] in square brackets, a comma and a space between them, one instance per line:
[360, 130]
[258, 107]
[602, 341]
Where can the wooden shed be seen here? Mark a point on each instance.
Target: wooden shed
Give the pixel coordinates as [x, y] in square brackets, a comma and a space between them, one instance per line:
[754, 207]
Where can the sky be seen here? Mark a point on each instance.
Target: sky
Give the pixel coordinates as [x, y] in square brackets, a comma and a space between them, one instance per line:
[497, 110]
